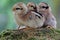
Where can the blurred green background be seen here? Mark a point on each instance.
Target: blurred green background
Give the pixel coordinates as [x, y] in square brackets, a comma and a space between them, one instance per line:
[6, 15]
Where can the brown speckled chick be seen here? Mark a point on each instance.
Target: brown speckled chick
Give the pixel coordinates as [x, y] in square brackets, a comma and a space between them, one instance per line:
[45, 9]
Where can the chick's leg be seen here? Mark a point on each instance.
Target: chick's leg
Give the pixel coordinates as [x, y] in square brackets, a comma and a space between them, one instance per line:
[18, 27]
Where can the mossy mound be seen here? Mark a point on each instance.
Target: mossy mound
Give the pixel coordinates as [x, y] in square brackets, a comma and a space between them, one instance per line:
[31, 34]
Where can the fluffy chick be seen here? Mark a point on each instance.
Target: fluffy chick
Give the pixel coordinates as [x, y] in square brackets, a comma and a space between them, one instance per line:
[34, 8]
[45, 9]
[19, 10]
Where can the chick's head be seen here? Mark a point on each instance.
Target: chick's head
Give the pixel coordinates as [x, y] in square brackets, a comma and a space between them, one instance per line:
[19, 8]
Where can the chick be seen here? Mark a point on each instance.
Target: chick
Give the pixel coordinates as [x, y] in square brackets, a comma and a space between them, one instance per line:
[33, 8]
[26, 18]
[19, 10]
[45, 9]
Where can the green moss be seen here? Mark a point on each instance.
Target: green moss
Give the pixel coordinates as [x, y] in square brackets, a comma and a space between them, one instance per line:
[32, 38]
[37, 34]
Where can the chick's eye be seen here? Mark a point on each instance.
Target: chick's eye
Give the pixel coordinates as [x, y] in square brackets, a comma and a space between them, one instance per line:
[19, 8]
[45, 7]
[32, 6]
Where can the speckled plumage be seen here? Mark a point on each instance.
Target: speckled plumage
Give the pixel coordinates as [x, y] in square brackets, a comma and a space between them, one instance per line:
[45, 9]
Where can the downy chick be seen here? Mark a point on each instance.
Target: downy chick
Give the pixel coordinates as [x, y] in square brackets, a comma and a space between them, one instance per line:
[45, 9]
